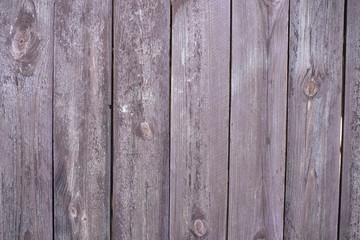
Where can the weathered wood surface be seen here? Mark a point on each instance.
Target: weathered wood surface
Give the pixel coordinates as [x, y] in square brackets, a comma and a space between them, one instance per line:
[141, 119]
[199, 119]
[25, 119]
[350, 192]
[314, 116]
[59, 60]
[82, 95]
[258, 119]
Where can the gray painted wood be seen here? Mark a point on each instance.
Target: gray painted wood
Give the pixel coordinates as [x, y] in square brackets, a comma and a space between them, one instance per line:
[314, 116]
[350, 195]
[141, 119]
[82, 95]
[199, 119]
[258, 119]
[25, 119]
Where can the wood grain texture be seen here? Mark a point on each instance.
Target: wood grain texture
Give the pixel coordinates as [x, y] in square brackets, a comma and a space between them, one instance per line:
[258, 119]
[82, 93]
[141, 119]
[25, 119]
[314, 116]
[199, 119]
[350, 192]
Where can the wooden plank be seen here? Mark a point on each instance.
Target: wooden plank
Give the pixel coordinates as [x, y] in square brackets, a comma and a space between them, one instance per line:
[314, 115]
[82, 93]
[258, 119]
[141, 119]
[350, 195]
[25, 119]
[199, 119]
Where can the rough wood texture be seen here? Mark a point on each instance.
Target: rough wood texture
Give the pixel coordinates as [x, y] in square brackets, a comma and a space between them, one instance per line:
[199, 119]
[141, 119]
[350, 193]
[25, 119]
[258, 119]
[82, 93]
[314, 112]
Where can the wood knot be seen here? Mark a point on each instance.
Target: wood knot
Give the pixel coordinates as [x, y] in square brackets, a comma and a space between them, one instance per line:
[73, 212]
[20, 44]
[24, 42]
[312, 86]
[198, 225]
[261, 235]
[27, 235]
[199, 228]
[145, 130]
[271, 3]
[29, 6]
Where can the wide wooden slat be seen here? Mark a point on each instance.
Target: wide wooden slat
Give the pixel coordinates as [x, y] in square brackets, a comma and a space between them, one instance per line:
[82, 95]
[258, 119]
[314, 112]
[350, 192]
[199, 119]
[25, 119]
[141, 119]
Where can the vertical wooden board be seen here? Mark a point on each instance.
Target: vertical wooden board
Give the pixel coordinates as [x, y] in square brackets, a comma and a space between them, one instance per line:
[199, 119]
[258, 119]
[25, 119]
[82, 95]
[314, 112]
[141, 119]
[350, 194]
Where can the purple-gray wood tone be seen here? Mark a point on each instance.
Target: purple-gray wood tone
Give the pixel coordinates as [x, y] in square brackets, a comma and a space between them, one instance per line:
[314, 117]
[26, 45]
[141, 119]
[82, 95]
[258, 119]
[200, 91]
[350, 192]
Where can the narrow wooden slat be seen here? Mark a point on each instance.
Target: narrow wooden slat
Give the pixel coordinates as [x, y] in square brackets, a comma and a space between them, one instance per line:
[258, 119]
[199, 119]
[82, 93]
[141, 119]
[350, 194]
[314, 112]
[25, 119]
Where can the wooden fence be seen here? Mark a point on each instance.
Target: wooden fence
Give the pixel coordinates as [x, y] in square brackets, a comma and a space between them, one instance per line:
[190, 119]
